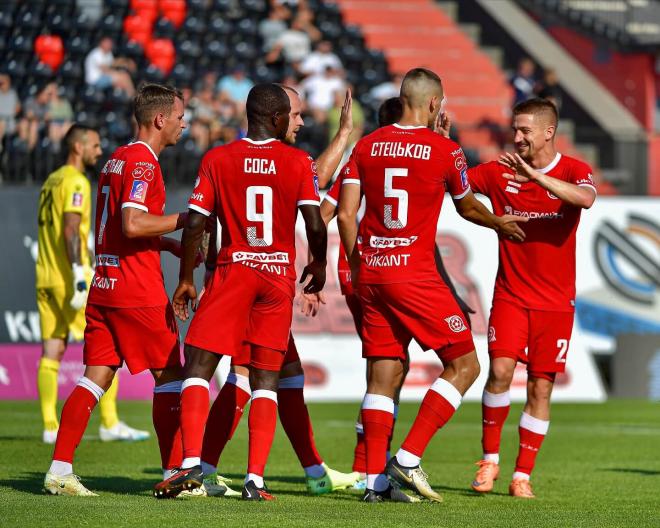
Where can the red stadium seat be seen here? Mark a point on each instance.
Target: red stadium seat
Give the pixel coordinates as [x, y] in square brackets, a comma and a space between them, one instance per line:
[50, 50]
[161, 53]
[138, 29]
[174, 11]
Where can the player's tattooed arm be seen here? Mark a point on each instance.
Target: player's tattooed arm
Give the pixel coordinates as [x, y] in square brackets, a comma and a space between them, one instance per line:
[349, 203]
[72, 237]
[575, 195]
[193, 232]
[317, 240]
[137, 223]
[474, 211]
[328, 161]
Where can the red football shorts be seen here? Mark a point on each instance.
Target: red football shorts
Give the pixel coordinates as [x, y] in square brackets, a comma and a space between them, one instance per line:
[145, 338]
[355, 307]
[545, 334]
[394, 314]
[241, 305]
[247, 357]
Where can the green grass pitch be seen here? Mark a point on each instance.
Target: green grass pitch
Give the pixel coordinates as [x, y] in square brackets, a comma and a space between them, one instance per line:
[600, 466]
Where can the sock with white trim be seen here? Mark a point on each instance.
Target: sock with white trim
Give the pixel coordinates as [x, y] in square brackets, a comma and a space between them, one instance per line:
[532, 433]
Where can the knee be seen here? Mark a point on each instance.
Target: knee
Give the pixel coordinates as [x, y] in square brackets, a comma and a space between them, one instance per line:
[471, 369]
[264, 379]
[292, 369]
[539, 391]
[500, 373]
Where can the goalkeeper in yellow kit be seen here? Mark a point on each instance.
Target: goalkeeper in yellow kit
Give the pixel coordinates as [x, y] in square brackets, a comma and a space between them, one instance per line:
[63, 274]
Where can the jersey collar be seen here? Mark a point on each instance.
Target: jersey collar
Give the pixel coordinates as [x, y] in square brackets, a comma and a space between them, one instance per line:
[146, 145]
[409, 127]
[553, 164]
[262, 142]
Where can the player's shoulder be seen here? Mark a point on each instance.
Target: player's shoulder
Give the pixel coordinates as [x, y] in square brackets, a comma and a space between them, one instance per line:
[137, 151]
[215, 153]
[297, 156]
[490, 167]
[574, 164]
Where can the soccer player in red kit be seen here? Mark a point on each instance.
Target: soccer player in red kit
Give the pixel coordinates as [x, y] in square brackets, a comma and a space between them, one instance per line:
[388, 113]
[531, 319]
[129, 317]
[255, 186]
[403, 170]
[228, 407]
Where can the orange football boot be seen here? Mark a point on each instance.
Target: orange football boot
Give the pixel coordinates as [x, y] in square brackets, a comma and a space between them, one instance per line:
[486, 475]
[521, 488]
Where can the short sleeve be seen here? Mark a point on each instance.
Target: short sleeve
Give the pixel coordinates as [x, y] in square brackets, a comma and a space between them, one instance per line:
[350, 173]
[202, 199]
[308, 191]
[582, 176]
[77, 195]
[456, 176]
[478, 179]
[332, 195]
[140, 181]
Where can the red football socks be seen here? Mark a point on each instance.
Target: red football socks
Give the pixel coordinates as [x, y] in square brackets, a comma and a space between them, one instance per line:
[494, 409]
[295, 420]
[75, 417]
[194, 412]
[438, 406]
[377, 420]
[224, 417]
[165, 414]
[261, 423]
[360, 452]
[532, 432]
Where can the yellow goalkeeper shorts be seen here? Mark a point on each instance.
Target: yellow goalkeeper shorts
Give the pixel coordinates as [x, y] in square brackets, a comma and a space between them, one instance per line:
[57, 318]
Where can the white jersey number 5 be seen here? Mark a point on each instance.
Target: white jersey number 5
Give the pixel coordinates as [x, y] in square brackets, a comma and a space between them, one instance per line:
[401, 195]
[265, 216]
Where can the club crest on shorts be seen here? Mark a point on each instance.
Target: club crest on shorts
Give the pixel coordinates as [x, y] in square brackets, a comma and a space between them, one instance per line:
[491, 334]
[455, 323]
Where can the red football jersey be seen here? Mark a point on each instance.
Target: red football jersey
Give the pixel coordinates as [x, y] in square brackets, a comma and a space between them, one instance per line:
[404, 172]
[128, 272]
[332, 196]
[539, 273]
[255, 188]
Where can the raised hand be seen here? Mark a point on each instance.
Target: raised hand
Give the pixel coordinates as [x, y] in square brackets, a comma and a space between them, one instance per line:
[442, 124]
[523, 172]
[310, 303]
[346, 117]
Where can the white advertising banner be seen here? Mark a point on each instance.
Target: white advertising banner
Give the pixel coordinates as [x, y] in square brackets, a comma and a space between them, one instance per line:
[618, 291]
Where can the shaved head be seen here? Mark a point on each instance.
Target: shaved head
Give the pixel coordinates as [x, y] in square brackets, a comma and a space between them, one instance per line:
[419, 86]
[544, 111]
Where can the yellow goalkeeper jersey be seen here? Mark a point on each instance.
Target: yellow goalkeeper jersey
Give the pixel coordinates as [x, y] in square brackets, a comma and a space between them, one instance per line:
[65, 191]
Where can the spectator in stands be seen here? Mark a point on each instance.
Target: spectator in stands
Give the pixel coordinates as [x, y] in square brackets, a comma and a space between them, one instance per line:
[10, 106]
[322, 57]
[92, 8]
[204, 106]
[549, 88]
[60, 117]
[295, 43]
[319, 90]
[383, 91]
[235, 86]
[35, 115]
[523, 82]
[102, 70]
[271, 28]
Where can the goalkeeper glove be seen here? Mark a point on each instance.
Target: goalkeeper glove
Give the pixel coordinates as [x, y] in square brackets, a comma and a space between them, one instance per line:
[79, 288]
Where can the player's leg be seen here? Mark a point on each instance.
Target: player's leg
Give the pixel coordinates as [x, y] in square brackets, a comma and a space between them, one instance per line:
[112, 428]
[53, 333]
[262, 419]
[533, 427]
[438, 406]
[549, 338]
[165, 416]
[295, 420]
[507, 338]
[226, 412]
[60, 479]
[359, 453]
[428, 312]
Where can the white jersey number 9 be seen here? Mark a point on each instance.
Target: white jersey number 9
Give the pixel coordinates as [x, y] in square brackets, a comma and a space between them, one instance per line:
[265, 216]
[401, 195]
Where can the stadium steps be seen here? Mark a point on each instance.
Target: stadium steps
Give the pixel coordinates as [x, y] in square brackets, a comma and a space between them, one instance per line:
[420, 33]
